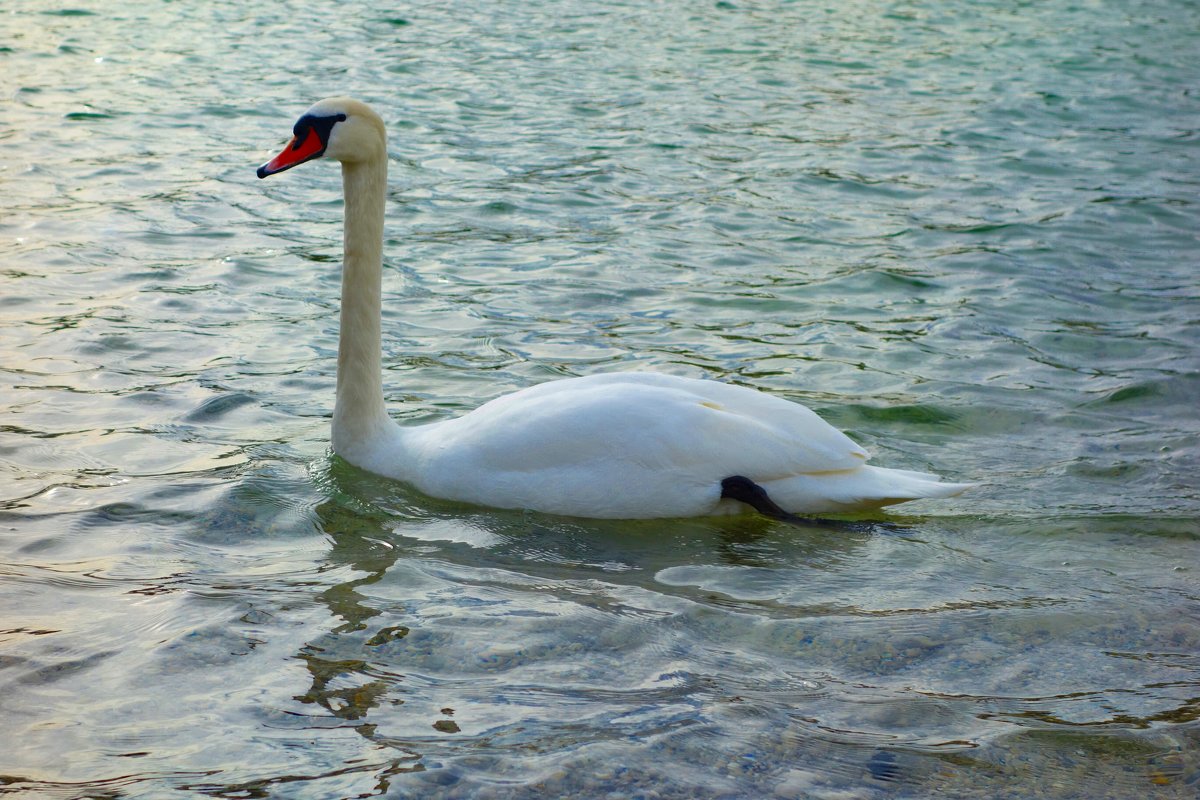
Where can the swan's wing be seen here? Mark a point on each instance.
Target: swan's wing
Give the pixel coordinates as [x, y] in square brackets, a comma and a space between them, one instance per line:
[691, 429]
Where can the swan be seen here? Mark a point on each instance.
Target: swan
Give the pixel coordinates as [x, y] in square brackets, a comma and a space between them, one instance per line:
[625, 445]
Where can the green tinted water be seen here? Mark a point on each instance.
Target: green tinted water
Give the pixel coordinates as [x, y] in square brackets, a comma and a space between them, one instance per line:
[966, 233]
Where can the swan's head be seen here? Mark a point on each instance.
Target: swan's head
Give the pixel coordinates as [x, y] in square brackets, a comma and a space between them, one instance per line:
[338, 128]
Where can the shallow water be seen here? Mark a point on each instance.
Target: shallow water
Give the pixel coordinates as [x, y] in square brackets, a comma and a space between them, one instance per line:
[965, 233]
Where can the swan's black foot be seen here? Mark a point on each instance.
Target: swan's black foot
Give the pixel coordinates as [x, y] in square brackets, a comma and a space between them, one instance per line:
[744, 490]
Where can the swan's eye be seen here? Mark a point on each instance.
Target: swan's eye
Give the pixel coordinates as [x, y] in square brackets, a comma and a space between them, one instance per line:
[323, 126]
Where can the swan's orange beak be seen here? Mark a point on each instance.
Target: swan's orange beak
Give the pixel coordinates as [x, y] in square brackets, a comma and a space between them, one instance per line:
[300, 149]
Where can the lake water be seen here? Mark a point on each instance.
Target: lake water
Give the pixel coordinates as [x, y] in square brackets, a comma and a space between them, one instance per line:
[965, 232]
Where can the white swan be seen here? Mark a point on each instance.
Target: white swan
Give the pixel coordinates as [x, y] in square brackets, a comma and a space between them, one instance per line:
[623, 445]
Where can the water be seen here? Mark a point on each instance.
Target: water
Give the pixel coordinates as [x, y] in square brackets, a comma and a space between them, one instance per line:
[965, 233]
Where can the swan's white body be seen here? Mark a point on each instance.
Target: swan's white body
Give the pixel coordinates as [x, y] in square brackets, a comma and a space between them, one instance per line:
[623, 445]
[628, 445]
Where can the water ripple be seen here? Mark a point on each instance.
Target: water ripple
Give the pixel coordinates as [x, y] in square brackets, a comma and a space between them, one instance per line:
[967, 236]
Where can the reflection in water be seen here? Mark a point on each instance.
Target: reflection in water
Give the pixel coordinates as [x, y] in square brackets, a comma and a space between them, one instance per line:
[347, 684]
[359, 670]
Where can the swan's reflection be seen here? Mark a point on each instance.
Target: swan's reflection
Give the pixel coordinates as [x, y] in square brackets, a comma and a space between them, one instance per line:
[373, 524]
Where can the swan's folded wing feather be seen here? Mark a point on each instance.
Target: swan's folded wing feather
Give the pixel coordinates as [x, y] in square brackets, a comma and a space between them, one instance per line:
[698, 430]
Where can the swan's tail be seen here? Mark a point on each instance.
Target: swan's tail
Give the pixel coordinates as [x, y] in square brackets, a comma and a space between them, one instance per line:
[861, 489]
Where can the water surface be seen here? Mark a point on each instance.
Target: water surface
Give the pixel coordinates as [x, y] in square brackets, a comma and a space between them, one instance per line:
[966, 233]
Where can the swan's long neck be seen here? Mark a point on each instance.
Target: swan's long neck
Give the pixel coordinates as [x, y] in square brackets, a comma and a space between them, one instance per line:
[360, 420]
